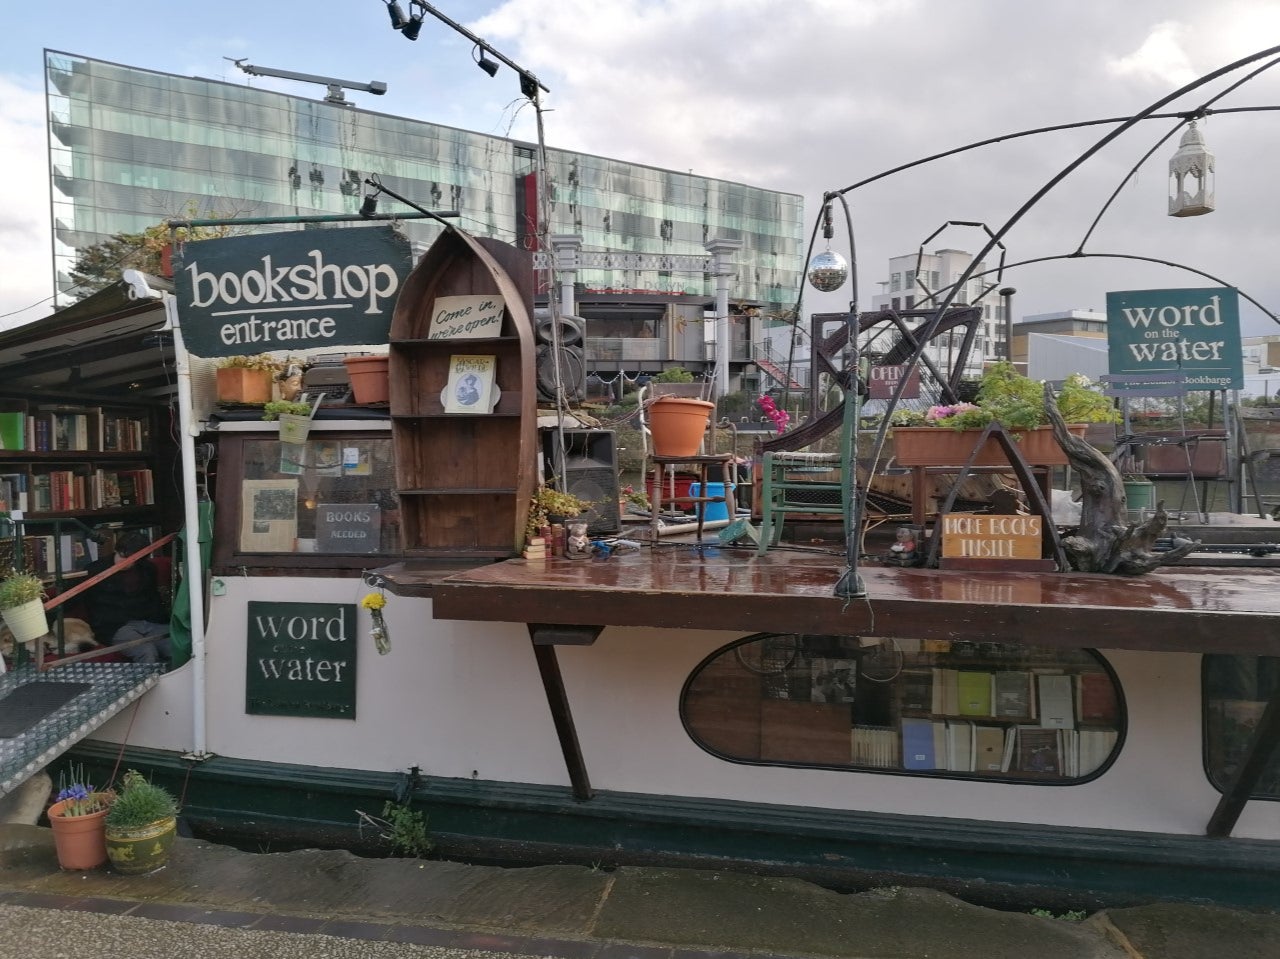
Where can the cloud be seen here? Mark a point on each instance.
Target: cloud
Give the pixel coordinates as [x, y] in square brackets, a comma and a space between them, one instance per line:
[26, 280]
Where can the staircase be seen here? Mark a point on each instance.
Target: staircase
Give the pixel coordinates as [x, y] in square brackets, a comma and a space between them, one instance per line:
[776, 372]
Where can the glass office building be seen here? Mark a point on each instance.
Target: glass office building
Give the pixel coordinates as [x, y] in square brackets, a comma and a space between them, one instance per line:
[129, 148]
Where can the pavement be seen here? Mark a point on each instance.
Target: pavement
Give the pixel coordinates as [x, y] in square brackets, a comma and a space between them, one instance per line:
[213, 900]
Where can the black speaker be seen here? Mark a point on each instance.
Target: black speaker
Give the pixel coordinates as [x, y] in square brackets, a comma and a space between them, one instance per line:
[590, 459]
[573, 373]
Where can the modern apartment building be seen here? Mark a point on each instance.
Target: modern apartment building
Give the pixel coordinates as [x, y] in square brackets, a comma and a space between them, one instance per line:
[918, 281]
[130, 147]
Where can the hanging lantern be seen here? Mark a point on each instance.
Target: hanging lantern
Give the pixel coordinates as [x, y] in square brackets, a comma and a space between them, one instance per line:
[828, 271]
[1191, 176]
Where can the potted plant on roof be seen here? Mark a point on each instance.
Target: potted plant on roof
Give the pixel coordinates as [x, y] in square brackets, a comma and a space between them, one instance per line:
[22, 605]
[140, 826]
[246, 379]
[550, 505]
[946, 435]
[77, 820]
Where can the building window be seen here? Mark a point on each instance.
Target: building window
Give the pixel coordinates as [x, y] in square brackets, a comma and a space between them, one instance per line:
[896, 283]
[1236, 691]
[994, 711]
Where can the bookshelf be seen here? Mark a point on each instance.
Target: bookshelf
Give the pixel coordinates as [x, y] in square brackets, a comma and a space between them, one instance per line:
[66, 467]
[932, 708]
[464, 478]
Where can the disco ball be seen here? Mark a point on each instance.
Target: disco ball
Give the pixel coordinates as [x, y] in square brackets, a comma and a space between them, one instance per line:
[828, 271]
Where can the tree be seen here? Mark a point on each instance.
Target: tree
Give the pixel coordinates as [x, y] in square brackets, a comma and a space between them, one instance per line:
[100, 265]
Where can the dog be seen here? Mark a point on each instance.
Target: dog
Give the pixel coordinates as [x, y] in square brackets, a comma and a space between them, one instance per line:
[78, 636]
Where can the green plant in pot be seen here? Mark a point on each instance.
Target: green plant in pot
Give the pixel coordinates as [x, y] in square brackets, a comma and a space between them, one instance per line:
[550, 504]
[140, 825]
[22, 605]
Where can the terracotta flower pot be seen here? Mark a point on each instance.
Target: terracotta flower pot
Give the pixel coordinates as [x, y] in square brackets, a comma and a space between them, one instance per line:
[80, 841]
[239, 384]
[370, 379]
[940, 446]
[678, 425]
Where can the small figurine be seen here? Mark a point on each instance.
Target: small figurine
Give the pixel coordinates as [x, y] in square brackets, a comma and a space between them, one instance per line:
[903, 550]
[577, 545]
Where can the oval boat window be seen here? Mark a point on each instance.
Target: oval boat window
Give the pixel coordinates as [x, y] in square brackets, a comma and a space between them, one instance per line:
[999, 711]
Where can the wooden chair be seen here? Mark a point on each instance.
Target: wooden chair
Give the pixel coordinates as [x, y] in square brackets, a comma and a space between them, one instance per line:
[663, 468]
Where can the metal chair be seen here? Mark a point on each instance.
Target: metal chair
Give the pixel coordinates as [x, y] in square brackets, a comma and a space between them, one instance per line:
[803, 482]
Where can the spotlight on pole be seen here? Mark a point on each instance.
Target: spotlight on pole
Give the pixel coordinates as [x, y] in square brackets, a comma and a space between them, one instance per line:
[412, 28]
[396, 12]
[484, 63]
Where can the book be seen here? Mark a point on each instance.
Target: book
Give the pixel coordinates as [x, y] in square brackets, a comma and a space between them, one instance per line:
[1014, 697]
[1038, 751]
[917, 690]
[13, 433]
[471, 387]
[973, 688]
[917, 744]
[1057, 700]
[960, 746]
[1096, 698]
[875, 746]
[988, 743]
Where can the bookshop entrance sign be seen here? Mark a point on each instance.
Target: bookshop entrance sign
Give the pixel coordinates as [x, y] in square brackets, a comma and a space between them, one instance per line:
[291, 291]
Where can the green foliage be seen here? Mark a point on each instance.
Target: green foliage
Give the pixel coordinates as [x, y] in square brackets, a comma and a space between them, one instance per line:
[674, 374]
[273, 409]
[102, 264]
[549, 501]
[1006, 395]
[1071, 915]
[261, 361]
[20, 587]
[1079, 402]
[406, 831]
[1017, 402]
[140, 803]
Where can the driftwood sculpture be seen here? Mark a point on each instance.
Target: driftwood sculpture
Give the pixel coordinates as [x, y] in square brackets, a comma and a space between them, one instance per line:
[1105, 542]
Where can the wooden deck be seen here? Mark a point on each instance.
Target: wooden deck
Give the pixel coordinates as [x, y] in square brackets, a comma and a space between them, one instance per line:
[683, 586]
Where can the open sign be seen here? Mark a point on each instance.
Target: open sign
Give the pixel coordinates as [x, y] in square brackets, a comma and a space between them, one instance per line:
[884, 381]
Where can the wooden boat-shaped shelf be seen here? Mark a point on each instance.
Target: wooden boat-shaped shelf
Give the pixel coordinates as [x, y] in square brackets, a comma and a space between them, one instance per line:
[464, 480]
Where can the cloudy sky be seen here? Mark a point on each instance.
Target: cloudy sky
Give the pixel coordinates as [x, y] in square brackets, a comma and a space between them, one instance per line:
[805, 96]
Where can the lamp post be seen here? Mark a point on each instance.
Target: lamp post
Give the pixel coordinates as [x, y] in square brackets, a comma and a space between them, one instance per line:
[1007, 293]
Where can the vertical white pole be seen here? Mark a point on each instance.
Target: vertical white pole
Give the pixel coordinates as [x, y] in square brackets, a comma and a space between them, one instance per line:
[722, 251]
[193, 570]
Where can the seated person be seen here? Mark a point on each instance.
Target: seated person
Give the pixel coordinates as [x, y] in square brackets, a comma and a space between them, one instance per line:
[127, 605]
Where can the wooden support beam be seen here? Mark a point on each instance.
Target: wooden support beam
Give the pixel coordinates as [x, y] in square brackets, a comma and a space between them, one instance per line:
[1237, 792]
[561, 715]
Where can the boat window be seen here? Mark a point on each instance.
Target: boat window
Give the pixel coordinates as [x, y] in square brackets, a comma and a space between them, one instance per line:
[1236, 692]
[328, 501]
[999, 711]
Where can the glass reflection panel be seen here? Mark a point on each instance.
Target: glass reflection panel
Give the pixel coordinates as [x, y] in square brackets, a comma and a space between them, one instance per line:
[996, 711]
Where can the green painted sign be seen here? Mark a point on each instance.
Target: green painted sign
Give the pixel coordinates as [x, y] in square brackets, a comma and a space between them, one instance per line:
[304, 289]
[301, 660]
[1192, 332]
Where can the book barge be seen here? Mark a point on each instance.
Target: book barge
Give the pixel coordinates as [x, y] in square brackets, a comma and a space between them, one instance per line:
[1010, 735]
